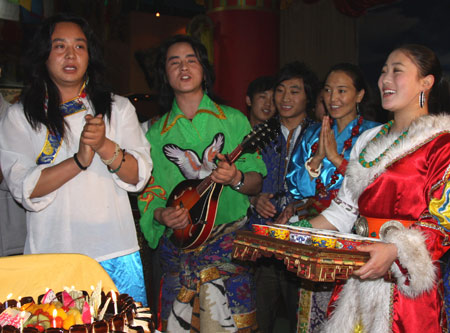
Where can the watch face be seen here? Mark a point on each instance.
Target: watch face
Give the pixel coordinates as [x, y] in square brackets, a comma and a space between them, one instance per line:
[240, 184]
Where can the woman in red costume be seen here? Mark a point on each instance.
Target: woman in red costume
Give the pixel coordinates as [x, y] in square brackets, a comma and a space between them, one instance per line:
[397, 188]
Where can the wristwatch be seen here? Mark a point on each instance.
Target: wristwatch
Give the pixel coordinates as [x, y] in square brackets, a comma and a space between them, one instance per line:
[239, 184]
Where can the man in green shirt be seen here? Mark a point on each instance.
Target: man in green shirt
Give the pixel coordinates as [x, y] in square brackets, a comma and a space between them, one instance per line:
[202, 288]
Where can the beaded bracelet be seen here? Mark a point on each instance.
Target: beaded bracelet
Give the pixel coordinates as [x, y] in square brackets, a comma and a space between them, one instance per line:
[120, 165]
[313, 173]
[342, 167]
[75, 157]
[112, 159]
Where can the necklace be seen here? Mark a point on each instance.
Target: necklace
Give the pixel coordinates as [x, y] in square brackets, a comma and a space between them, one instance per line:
[383, 131]
[321, 189]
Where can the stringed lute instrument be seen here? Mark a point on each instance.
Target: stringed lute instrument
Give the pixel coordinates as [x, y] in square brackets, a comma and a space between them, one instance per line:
[201, 196]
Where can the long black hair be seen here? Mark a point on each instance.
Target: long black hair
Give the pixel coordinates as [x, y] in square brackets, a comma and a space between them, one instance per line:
[166, 94]
[299, 70]
[359, 82]
[38, 82]
[428, 64]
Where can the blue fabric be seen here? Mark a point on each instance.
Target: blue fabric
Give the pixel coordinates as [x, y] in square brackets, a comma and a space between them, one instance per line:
[299, 182]
[274, 156]
[184, 268]
[53, 140]
[128, 276]
[446, 282]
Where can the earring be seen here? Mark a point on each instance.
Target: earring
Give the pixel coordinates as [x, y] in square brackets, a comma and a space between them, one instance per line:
[422, 99]
[357, 108]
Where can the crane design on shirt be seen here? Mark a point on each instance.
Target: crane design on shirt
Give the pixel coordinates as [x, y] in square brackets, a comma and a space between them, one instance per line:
[189, 162]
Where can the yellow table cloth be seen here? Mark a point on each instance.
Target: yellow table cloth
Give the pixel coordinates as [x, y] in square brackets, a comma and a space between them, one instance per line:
[30, 275]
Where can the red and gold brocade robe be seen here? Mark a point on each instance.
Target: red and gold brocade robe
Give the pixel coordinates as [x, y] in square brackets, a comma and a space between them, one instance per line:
[411, 182]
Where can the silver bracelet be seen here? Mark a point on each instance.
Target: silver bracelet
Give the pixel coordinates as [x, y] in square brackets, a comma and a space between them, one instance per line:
[240, 184]
[112, 159]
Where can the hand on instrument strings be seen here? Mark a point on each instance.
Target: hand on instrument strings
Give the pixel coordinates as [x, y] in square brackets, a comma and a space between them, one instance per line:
[226, 173]
[286, 214]
[382, 255]
[94, 132]
[263, 206]
[172, 217]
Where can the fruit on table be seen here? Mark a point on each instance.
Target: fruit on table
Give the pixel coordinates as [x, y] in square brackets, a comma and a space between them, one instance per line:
[38, 319]
[42, 315]
[70, 321]
[61, 313]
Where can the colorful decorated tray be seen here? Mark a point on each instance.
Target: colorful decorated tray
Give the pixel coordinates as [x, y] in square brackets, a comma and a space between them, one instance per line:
[316, 255]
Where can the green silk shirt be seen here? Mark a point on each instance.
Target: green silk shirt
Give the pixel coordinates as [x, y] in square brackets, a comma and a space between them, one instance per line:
[175, 140]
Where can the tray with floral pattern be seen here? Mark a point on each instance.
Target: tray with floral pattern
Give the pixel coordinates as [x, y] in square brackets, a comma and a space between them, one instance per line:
[309, 262]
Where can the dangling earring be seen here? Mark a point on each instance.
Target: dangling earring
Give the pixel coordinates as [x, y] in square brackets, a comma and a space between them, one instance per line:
[422, 99]
[357, 109]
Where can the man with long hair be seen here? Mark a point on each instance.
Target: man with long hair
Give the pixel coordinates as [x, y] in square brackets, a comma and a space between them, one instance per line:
[70, 150]
[201, 289]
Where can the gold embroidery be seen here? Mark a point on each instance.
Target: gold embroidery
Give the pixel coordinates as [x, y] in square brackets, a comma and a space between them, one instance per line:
[440, 208]
[436, 227]
[167, 128]
[50, 149]
[220, 115]
[185, 295]
[304, 310]
[359, 328]
[149, 193]
[209, 274]
[245, 319]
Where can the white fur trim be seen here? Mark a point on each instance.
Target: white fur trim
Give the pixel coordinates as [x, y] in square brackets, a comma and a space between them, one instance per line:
[414, 256]
[368, 300]
[420, 132]
[362, 300]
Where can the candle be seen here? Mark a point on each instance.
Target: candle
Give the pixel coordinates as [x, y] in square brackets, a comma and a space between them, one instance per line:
[113, 295]
[55, 313]
[91, 308]
[6, 302]
[22, 316]
[18, 302]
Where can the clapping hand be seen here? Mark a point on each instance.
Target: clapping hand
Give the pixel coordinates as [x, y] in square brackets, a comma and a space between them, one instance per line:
[328, 140]
[94, 132]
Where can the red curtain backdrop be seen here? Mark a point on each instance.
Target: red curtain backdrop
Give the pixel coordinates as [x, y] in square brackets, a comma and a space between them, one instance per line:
[246, 46]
